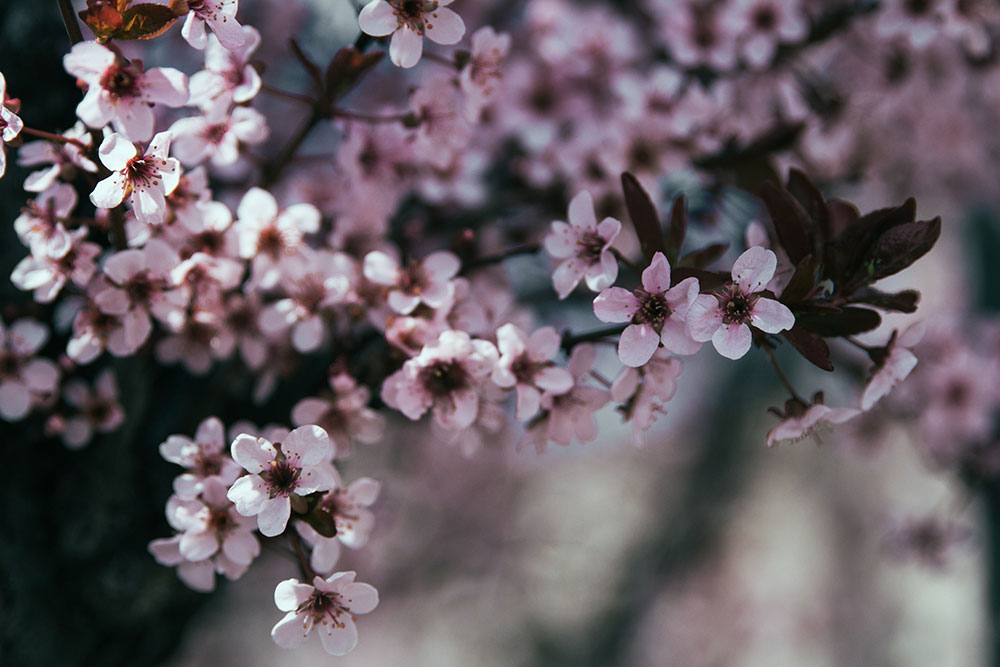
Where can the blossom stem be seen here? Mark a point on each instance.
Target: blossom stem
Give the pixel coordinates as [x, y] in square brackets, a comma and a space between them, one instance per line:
[288, 153]
[438, 58]
[55, 137]
[69, 19]
[286, 95]
[118, 235]
[781, 374]
[858, 344]
[523, 249]
[307, 571]
[600, 378]
[369, 118]
[569, 340]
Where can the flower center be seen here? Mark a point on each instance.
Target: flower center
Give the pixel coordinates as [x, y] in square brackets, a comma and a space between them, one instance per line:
[324, 608]
[443, 377]
[524, 369]
[653, 309]
[140, 289]
[589, 246]
[764, 19]
[737, 307]
[120, 81]
[280, 477]
[141, 172]
[10, 365]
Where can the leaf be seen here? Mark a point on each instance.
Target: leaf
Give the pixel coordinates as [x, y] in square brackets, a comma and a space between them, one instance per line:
[102, 18]
[707, 280]
[846, 254]
[801, 282]
[806, 192]
[322, 521]
[699, 259]
[811, 346]
[644, 217]
[903, 302]
[145, 21]
[311, 68]
[791, 222]
[677, 229]
[901, 246]
[843, 322]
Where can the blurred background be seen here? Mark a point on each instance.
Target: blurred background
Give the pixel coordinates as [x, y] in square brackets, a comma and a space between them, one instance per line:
[703, 547]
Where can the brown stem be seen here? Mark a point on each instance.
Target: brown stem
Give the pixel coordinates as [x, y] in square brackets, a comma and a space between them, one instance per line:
[369, 118]
[69, 19]
[118, 236]
[300, 553]
[569, 340]
[781, 375]
[272, 174]
[284, 94]
[41, 134]
[523, 249]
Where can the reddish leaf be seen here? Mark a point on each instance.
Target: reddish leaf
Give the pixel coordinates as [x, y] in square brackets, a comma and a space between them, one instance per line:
[346, 69]
[900, 247]
[903, 302]
[806, 192]
[791, 222]
[843, 322]
[801, 282]
[677, 230]
[102, 18]
[644, 217]
[699, 259]
[811, 346]
[145, 21]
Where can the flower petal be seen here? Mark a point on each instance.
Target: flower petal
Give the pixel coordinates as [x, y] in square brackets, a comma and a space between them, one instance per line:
[615, 304]
[656, 276]
[732, 340]
[406, 47]
[771, 316]
[444, 26]
[637, 344]
[754, 269]
[378, 19]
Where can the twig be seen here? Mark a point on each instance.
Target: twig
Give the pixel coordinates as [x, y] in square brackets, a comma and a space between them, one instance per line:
[69, 19]
[307, 571]
[41, 134]
[286, 95]
[569, 340]
[781, 375]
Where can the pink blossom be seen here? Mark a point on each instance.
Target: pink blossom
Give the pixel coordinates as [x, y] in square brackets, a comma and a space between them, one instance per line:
[481, 76]
[205, 457]
[929, 540]
[348, 507]
[197, 343]
[725, 317]
[218, 135]
[10, 124]
[122, 94]
[525, 364]
[800, 421]
[445, 376]
[41, 223]
[343, 412]
[330, 606]
[48, 274]
[918, 22]
[656, 312]
[763, 24]
[427, 281]
[585, 246]
[895, 363]
[228, 76]
[407, 21]
[642, 391]
[272, 237]
[697, 33]
[24, 378]
[276, 472]
[443, 133]
[63, 159]
[220, 16]
[147, 179]
[98, 409]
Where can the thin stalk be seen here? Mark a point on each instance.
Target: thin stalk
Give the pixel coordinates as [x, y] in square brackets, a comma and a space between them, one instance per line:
[69, 19]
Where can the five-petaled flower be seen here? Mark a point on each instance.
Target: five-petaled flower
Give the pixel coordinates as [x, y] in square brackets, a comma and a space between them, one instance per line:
[585, 245]
[330, 606]
[725, 317]
[407, 21]
[656, 312]
[525, 364]
[148, 178]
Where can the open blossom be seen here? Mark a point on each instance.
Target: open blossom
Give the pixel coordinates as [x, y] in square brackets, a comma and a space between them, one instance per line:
[895, 363]
[427, 281]
[656, 312]
[480, 78]
[445, 376]
[643, 391]
[205, 458]
[348, 508]
[228, 76]
[148, 179]
[525, 365]
[763, 24]
[219, 15]
[276, 472]
[47, 274]
[10, 124]
[801, 421]
[41, 223]
[24, 378]
[585, 246]
[122, 94]
[407, 21]
[725, 317]
[97, 409]
[343, 412]
[271, 237]
[218, 135]
[329, 606]
[63, 158]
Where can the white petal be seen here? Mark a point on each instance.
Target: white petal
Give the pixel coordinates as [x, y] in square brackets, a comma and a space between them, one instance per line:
[378, 19]
[444, 26]
[406, 47]
[637, 344]
[754, 269]
[732, 340]
[771, 316]
[273, 515]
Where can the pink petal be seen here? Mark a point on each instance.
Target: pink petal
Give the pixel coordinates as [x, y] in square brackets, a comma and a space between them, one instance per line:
[360, 598]
[444, 26]
[165, 85]
[253, 454]
[378, 19]
[608, 229]
[40, 375]
[554, 380]
[561, 241]
[441, 266]
[656, 277]
[602, 274]
[704, 317]
[732, 340]
[380, 267]
[291, 593]
[116, 151]
[406, 47]
[310, 444]
[637, 344]
[754, 269]
[292, 630]
[529, 400]
[615, 304]
[675, 337]
[566, 277]
[248, 493]
[110, 192]
[134, 119]
[198, 546]
[338, 639]
[241, 547]
[273, 515]
[15, 401]
[771, 316]
[581, 211]
[681, 296]
[544, 343]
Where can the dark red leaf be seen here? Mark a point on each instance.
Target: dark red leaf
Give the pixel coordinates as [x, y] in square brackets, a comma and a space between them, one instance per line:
[707, 280]
[801, 282]
[644, 217]
[145, 21]
[811, 346]
[677, 229]
[806, 192]
[844, 322]
[791, 222]
[903, 302]
[699, 259]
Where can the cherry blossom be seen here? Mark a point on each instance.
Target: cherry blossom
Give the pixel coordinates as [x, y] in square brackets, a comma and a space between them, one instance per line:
[445, 376]
[47, 274]
[147, 180]
[205, 457]
[218, 135]
[272, 237]
[763, 24]
[348, 507]
[427, 281]
[585, 246]
[344, 413]
[480, 77]
[656, 312]
[219, 15]
[24, 378]
[41, 223]
[643, 391]
[98, 409]
[443, 132]
[63, 159]
[122, 93]
[801, 421]
[228, 76]
[725, 317]
[10, 124]
[525, 365]
[895, 362]
[407, 21]
[276, 472]
[329, 605]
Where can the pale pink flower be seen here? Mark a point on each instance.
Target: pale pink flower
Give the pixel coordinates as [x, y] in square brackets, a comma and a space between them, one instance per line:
[218, 135]
[725, 317]
[643, 391]
[184, 202]
[196, 575]
[220, 16]
[895, 363]
[228, 76]
[25, 379]
[94, 330]
[205, 457]
[697, 33]
[525, 364]
[10, 124]
[343, 412]
[917, 22]
[122, 94]
[47, 274]
[276, 472]
[763, 25]
[98, 409]
[445, 376]
[63, 159]
[481, 76]
[443, 132]
[427, 281]
[41, 223]
[147, 179]
[348, 508]
[407, 21]
[569, 416]
[585, 246]
[272, 237]
[655, 311]
[800, 421]
[330, 606]
[202, 339]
